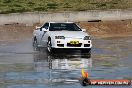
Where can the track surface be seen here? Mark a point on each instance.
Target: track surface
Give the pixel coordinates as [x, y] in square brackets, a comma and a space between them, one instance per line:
[22, 67]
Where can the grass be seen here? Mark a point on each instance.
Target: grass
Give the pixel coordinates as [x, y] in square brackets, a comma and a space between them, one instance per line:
[14, 6]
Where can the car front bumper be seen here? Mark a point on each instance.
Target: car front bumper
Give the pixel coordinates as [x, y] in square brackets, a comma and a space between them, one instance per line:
[83, 44]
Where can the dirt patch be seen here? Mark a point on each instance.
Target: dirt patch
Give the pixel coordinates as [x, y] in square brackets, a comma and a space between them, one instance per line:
[16, 31]
[108, 28]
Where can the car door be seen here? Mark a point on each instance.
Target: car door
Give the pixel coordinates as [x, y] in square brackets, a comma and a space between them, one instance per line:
[42, 33]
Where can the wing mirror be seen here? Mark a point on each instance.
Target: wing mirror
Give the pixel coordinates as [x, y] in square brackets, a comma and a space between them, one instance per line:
[45, 30]
[84, 30]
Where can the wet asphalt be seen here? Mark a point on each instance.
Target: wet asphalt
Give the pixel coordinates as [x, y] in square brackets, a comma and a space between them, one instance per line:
[22, 67]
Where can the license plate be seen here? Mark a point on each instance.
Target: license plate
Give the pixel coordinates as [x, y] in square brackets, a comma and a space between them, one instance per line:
[74, 42]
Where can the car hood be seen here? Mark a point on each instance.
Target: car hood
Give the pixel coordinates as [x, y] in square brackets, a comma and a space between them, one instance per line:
[69, 34]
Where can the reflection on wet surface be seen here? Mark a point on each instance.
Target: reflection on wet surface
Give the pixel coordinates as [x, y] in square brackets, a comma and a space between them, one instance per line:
[45, 70]
[21, 67]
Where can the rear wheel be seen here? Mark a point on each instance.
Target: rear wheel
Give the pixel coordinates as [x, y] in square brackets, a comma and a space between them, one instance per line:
[35, 45]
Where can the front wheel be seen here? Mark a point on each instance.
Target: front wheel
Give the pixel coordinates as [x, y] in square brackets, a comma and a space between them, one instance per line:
[49, 47]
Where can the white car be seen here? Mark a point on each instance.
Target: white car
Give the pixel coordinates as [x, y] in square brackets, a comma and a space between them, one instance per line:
[64, 35]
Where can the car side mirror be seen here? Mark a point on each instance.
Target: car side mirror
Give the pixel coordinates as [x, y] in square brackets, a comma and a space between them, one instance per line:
[45, 30]
[84, 30]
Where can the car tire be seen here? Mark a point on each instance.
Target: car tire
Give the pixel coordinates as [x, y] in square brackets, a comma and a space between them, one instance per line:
[86, 50]
[49, 47]
[35, 45]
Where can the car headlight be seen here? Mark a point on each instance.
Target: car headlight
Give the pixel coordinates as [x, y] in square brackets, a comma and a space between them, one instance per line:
[87, 38]
[59, 37]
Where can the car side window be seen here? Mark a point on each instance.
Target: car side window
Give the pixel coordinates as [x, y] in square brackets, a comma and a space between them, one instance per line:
[46, 25]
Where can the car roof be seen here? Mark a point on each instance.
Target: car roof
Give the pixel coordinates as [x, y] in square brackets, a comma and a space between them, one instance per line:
[60, 22]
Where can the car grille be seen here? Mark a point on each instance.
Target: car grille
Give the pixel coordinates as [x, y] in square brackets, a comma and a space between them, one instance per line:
[74, 45]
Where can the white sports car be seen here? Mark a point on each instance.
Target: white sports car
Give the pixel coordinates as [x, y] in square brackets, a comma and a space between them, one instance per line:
[65, 35]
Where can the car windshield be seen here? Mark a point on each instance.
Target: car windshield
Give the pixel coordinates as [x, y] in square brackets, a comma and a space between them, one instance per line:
[64, 27]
